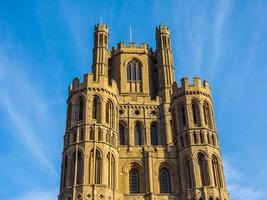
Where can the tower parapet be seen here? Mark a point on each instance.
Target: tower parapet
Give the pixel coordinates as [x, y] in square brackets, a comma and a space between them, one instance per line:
[197, 87]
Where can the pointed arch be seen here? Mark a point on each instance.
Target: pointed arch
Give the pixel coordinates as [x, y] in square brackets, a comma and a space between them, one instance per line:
[216, 172]
[110, 113]
[138, 133]
[122, 132]
[98, 163]
[187, 173]
[207, 115]
[80, 162]
[154, 133]
[203, 169]
[181, 116]
[165, 183]
[195, 112]
[72, 168]
[134, 181]
[81, 107]
[96, 108]
[111, 170]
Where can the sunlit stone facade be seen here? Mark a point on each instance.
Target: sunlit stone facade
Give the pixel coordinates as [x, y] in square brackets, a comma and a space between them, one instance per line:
[133, 133]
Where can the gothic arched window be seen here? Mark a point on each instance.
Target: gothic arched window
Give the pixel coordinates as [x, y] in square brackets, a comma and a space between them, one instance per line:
[80, 168]
[122, 130]
[134, 181]
[207, 115]
[154, 134]
[216, 172]
[80, 108]
[111, 171]
[109, 113]
[181, 117]
[164, 176]
[96, 109]
[134, 71]
[203, 169]
[72, 168]
[137, 134]
[196, 115]
[97, 167]
[187, 173]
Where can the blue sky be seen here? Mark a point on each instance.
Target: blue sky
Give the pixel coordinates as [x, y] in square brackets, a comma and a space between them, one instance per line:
[45, 44]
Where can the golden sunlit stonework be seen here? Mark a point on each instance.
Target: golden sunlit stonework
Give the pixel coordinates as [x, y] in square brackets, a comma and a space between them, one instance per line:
[133, 133]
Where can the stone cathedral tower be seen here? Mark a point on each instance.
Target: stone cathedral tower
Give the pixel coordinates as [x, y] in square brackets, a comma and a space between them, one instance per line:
[133, 133]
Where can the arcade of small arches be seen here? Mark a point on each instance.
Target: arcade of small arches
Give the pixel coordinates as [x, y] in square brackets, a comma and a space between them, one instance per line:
[139, 130]
[201, 115]
[209, 171]
[74, 171]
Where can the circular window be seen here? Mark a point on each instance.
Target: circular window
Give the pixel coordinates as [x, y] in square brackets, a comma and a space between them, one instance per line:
[137, 112]
[121, 111]
[153, 113]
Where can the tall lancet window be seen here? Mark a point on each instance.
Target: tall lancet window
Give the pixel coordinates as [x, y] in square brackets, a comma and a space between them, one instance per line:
[134, 181]
[216, 172]
[195, 112]
[79, 168]
[164, 177]
[203, 169]
[207, 115]
[154, 133]
[96, 108]
[134, 71]
[97, 167]
[109, 113]
[188, 178]
[137, 134]
[122, 130]
[80, 108]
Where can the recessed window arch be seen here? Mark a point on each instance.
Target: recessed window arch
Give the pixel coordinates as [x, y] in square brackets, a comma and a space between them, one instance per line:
[138, 133]
[203, 169]
[207, 115]
[187, 171]
[134, 70]
[109, 113]
[181, 116]
[96, 108]
[97, 167]
[154, 133]
[80, 108]
[134, 179]
[111, 170]
[195, 112]
[79, 179]
[216, 172]
[72, 168]
[122, 132]
[165, 183]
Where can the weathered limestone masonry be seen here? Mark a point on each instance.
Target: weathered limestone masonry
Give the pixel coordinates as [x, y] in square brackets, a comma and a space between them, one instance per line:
[132, 133]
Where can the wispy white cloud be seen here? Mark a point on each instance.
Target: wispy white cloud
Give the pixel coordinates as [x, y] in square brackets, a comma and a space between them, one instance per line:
[23, 108]
[222, 11]
[238, 184]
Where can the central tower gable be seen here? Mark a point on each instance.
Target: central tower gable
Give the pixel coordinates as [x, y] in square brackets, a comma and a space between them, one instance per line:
[133, 68]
